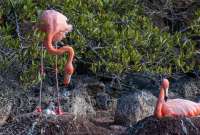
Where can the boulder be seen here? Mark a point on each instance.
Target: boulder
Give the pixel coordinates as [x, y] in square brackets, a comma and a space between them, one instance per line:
[190, 90]
[187, 87]
[81, 103]
[134, 107]
[80, 107]
[166, 126]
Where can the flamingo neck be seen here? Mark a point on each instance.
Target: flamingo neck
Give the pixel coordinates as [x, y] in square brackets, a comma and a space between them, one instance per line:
[70, 52]
[59, 51]
[49, 46]
[162, 94]
[159, 104]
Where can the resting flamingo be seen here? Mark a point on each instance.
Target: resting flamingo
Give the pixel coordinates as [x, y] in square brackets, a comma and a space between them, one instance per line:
[174, 107]
[56, 26]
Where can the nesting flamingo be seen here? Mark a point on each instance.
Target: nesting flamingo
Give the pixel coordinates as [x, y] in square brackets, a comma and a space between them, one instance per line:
[56, 26]
[174, 107]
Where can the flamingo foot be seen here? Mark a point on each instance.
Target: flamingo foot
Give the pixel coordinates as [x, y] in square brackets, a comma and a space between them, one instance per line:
[59, 111]
[38, 109]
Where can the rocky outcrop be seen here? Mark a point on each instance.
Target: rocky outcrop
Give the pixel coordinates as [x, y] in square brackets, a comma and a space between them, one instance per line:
[186, 87]
[81, 103]
[103, 101]
[35, 124]
[190, 90]
[134, 107]
[166, 126]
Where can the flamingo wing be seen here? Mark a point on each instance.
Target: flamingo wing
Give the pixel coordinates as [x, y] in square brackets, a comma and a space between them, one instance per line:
[180, 107]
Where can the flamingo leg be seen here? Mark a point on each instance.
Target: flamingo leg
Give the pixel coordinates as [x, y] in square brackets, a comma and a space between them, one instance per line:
[39, 107]
[59, 110]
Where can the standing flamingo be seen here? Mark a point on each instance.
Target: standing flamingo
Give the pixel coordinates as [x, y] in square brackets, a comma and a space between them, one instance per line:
[174, 107]
[56, 26]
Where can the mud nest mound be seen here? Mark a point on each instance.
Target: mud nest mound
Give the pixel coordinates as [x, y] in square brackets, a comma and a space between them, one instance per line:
[166, 126]
[41, 124]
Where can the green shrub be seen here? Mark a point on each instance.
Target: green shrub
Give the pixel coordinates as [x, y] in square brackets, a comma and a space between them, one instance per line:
[113, 36]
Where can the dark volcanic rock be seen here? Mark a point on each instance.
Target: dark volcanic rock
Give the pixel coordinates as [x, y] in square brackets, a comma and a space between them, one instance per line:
[35, 124]
[103, 101]
[147, 81]
[5, 112]
[166, 126]
[132, 108]
[187, 87]
[190, 90]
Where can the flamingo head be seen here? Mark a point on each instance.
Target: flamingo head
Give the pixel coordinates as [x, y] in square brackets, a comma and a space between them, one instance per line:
[165, 86]
[69, 69]
[55, 24]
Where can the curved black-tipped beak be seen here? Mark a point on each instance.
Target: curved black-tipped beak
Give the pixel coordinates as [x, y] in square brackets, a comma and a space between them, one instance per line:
[67, 79]
[166, 95]
[166, 98]
[66, 33]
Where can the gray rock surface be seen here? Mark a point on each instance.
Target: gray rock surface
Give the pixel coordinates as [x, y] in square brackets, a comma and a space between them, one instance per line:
[103, 101]
[190, 89]
[166, 126]
[186, 87]
[5, 112]
[134, 107]
[81, 103]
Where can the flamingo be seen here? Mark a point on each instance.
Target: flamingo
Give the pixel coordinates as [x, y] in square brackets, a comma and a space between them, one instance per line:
[56, 26]
[174, 107]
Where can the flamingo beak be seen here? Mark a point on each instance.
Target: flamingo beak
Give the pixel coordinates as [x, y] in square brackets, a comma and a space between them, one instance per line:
[166, 94]
[67, 79]
[66, 33]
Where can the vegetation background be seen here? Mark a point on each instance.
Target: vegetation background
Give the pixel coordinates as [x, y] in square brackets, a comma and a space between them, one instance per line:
[127, 46]
[109, 36]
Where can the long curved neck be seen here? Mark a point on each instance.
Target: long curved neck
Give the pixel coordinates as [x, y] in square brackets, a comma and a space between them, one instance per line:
[58, 51]
[159, 104]
[70, 52]
[48, 44]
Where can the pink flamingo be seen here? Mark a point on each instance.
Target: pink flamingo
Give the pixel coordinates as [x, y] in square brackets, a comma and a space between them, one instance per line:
[174, 107]
[56, 26]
